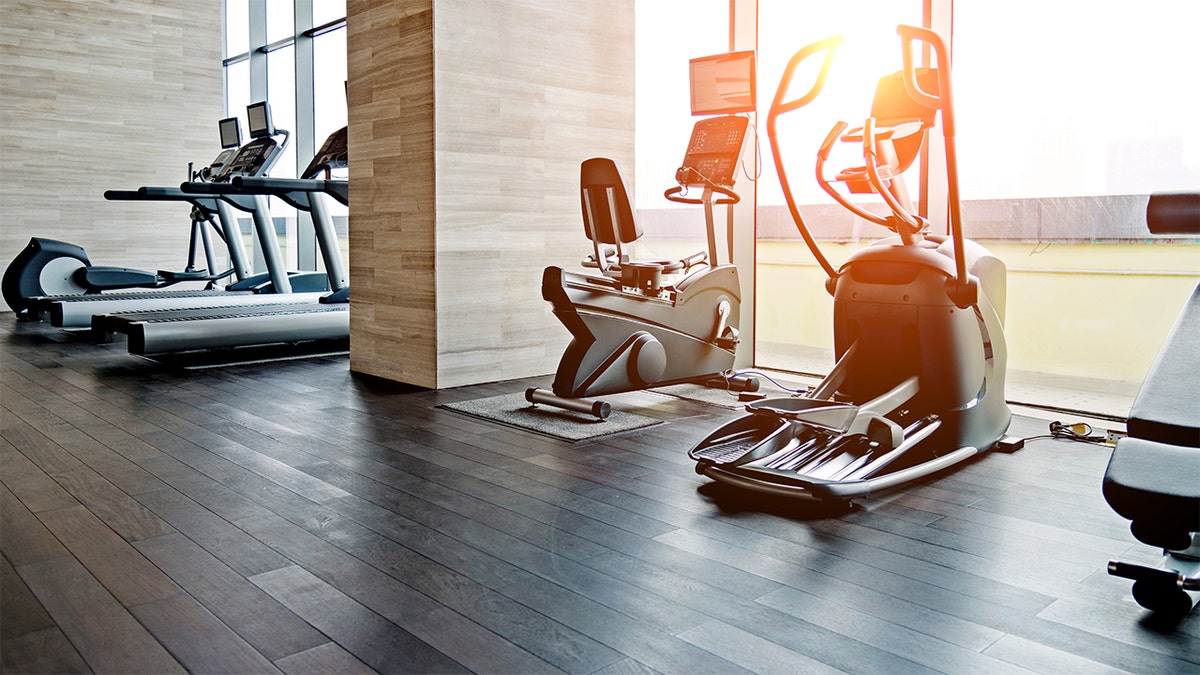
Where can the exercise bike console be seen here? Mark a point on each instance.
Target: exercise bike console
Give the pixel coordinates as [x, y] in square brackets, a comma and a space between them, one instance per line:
[712, 153]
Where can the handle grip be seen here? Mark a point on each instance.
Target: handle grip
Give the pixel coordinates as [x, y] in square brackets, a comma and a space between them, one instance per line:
[674, 194]
[779, 106]
[909, 35]
[834, 134]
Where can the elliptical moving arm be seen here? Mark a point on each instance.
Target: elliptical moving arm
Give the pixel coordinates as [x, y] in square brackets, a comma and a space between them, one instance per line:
[914, 225]
[822, 157]
[778, 107]
[965, 290]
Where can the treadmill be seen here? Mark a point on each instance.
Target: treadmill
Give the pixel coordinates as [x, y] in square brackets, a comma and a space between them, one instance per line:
[275, 286]
[321, 318]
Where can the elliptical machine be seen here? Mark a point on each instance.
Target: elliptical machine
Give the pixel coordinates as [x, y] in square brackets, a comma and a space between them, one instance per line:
[919, 381]
[638, 324]
[49, 267]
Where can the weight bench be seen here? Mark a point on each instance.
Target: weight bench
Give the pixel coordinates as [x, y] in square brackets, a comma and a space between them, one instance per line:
[1153, 477]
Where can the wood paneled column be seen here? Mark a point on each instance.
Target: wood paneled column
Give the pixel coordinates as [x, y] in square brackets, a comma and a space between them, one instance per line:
[468, 122]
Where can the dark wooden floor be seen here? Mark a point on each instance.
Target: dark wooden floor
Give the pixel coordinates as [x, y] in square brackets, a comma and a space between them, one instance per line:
[292, 517]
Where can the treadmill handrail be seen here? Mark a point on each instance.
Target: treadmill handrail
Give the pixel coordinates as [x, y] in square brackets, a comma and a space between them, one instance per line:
[159, 194]
[338, 189]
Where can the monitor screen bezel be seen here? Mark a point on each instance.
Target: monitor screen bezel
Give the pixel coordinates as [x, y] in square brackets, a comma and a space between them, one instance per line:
[746, 56]
[267, 128]
[230, 131]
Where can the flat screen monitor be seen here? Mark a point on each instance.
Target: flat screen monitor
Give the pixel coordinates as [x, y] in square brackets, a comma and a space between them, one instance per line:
[258, 117]
[231, 132]
[723, 84]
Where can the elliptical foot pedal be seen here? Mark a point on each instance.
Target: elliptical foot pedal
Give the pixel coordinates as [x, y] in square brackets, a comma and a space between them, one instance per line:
[734, 441]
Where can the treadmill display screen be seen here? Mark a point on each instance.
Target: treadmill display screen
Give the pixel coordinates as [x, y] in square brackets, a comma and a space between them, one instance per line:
[258, 115]
[231, 132]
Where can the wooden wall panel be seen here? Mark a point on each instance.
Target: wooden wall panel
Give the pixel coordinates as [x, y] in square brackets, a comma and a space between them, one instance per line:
[390, 73]
[522, 92]
[101, 95]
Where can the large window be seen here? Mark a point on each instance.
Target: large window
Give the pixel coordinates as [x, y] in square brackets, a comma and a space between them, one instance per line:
[291, 53]
[1067, 121]
[667, 37]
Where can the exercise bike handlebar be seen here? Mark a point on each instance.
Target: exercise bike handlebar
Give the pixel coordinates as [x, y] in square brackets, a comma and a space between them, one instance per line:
[675, 194]
[965, 291]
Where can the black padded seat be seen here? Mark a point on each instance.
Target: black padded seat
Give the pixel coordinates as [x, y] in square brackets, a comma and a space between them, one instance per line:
[1167, 408]
[1157, 486]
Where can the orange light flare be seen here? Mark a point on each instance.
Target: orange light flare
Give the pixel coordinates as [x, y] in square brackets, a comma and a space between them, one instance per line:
[865, 55]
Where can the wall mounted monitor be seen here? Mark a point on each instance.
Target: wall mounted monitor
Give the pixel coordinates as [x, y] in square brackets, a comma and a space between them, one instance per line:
[723, 84]
[258, 116]
[231, 132]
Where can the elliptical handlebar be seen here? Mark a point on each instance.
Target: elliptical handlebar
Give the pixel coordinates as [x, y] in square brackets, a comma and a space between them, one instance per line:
[829, 45]
[778, 107]
[942, 100]
[872, 165]
[965, 291]
[822, 156]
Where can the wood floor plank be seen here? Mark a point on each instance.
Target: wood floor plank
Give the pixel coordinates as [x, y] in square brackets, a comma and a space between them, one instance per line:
[236, 549]
[368, 636]
[119, 567]
[104, 633]
[117, 509]
[258, 619]
[515, 639]
[1039, 658]
[23, 538]
[755, 653]
[195, 637]
[44, 651]
[47, 454]
[22, 612]
[919, 646]
[324, 658]
[887, 607]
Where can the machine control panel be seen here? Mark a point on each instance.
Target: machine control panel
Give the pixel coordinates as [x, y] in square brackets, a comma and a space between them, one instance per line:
[713, 151]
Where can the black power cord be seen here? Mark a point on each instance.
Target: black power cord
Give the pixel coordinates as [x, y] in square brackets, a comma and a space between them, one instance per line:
[1078, 431]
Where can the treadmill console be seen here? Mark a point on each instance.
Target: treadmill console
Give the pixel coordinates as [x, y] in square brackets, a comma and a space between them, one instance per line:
[332, 155]
[258, 156]
[231, 139]
[713, 151]
[253, 159]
